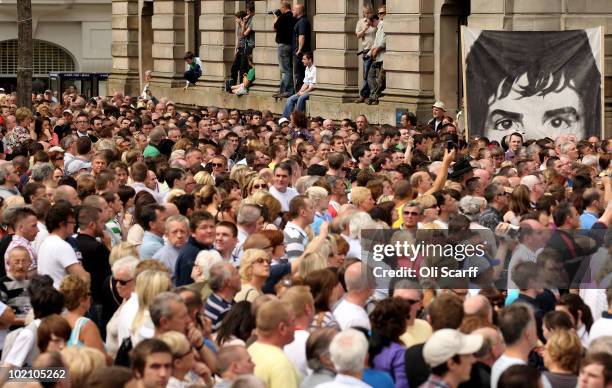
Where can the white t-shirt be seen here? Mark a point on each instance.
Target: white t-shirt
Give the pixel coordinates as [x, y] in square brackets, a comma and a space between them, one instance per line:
[505, 362]
[296, 352]
[55, 256]
[126, 317]
[21, 353]
[284, 198]
[601, 327]
[40, 237]
[350, 315]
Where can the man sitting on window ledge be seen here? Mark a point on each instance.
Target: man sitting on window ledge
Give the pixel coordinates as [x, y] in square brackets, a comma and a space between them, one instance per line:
[310, 80]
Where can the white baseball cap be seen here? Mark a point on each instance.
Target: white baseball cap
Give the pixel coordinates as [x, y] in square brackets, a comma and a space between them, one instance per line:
[439, 105]
[282, 120]
[445, 343]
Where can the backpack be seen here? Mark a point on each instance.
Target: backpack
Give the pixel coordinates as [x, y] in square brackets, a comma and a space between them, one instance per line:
[10, 341]
[123, 353]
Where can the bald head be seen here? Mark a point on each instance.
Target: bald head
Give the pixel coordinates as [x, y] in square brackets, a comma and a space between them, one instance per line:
[483, 175]
[355, 278]
[171, 209]
[478, 306]
[66, 193]
[298, 10]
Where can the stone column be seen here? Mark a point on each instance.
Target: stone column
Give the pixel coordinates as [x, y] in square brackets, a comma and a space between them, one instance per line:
[217, 28]
[265, 54]
[336, 49]
[408, 62]
[168, 42]
[124, 48]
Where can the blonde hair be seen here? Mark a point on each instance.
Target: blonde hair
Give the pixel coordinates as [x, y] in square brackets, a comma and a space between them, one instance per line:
[173, 194]
[81, 361]
[248, 259]
[149, 283]
[564, 349]
[426, 201]
[122, 250]
[316, 194]
[359, 194]
[270, 314]
[74, 288]
[267, 200]
[311, 262]
[204, 178]
[205, 260]
[241, 174]
[177, 342]
[298, 298]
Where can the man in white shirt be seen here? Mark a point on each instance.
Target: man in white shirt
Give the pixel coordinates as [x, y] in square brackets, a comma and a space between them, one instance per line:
[350, 311]
[56, 257]
[518, 326]
[280, 185]
[310, 80]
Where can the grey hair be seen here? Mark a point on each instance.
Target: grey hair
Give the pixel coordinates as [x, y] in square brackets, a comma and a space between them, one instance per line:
[157, 134]
[248, 214]
[305, 182]
[565, 146]
[601, 345]
[218, 275]
[128, 262]
[317, 345]
[348, 351]
[469, 206]
[161, 306]
[41, 171]
[358, 221]
[177, 218]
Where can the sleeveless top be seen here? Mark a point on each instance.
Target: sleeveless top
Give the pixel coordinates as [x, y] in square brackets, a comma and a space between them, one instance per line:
[74, 335]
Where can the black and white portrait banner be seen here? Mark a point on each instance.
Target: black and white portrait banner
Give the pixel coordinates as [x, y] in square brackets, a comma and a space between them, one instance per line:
[537, 83]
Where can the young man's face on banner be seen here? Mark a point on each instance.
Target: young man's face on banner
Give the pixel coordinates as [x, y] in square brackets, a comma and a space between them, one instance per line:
[541, 115]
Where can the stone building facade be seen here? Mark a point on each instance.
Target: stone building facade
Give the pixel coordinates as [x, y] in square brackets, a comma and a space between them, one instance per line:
[69, 36]
[422, 62]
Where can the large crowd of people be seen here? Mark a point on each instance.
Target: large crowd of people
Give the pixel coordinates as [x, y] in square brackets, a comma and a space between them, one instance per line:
[147, 245]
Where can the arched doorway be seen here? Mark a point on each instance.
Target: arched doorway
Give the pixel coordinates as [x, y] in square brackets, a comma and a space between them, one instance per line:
[47, 58]
[449, 16]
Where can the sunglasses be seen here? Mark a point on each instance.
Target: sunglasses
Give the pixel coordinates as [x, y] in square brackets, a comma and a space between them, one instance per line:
[260, 186]
[413, 214]
[215, 130]
[217, 164]
[124, 282]
[261, 260]
[503, 194]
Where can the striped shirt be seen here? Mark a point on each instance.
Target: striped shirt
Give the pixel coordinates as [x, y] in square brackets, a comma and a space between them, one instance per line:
[14, 293]
[296, 240]
[215, 309]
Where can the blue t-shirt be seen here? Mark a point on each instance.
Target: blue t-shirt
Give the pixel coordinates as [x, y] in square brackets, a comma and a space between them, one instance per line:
[377, 378]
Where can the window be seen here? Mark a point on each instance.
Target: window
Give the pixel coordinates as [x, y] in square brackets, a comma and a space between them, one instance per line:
[47, 58]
